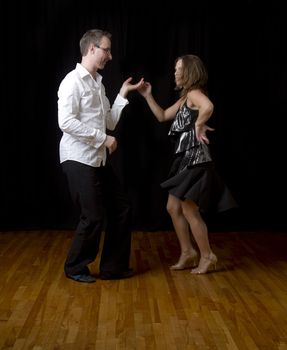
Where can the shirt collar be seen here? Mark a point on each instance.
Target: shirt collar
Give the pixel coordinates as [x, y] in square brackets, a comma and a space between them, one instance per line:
[84, 72]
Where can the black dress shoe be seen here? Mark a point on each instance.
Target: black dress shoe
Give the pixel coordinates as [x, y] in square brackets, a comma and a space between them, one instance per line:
[82, 278]
[107, 275]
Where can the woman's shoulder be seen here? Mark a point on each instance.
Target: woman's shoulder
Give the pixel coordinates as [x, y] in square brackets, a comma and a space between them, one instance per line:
[195, 93]
[197, 98]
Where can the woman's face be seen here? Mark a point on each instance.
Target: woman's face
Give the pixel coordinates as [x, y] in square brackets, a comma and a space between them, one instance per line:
[178, 74]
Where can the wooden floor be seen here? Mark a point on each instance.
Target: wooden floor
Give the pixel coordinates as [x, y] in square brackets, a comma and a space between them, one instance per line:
[243, 305]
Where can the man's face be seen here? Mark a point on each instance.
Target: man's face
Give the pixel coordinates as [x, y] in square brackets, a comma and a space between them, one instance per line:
[103, 52]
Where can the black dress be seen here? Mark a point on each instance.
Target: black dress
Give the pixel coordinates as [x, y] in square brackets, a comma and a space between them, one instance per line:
[192, 174]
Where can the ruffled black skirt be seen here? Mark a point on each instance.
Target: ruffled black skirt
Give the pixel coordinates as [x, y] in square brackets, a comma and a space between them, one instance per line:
[202, 184]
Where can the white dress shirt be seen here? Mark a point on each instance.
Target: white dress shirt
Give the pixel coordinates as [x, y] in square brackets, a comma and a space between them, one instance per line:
[84, 114]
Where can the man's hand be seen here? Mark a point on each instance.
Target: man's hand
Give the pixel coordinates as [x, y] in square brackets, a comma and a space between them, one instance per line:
[127, 86]
[111, 144]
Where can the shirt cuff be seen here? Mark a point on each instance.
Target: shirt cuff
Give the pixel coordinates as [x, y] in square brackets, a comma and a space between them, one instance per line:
[99, 138]
[121, 101]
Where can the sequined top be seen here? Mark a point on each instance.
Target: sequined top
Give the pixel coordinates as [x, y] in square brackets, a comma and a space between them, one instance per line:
[182, 131]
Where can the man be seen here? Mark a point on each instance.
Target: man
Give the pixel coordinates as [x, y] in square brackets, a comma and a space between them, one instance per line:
[84, 116]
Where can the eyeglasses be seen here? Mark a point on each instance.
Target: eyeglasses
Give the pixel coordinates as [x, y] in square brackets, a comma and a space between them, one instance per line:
[106, 49]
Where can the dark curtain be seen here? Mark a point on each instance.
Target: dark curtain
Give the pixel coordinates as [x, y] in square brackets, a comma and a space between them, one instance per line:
[244, 48]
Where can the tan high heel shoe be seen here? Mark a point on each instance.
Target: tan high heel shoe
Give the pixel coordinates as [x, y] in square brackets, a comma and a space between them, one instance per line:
[205, 264]
[186, 260]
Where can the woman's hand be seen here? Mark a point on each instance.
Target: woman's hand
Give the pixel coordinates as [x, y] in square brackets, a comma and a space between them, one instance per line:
[200, 131]
[127, 86]
[145, 89]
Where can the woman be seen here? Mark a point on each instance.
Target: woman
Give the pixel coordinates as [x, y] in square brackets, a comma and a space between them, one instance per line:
[193, 184]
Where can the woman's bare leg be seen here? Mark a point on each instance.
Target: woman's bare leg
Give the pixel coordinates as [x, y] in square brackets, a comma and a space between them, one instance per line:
[200, 233]
[188, 254]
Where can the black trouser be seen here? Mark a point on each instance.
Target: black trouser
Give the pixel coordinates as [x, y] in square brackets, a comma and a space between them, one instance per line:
[98, 195]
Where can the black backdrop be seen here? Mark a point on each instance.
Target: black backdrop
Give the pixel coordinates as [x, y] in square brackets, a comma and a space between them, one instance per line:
[243, 45]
